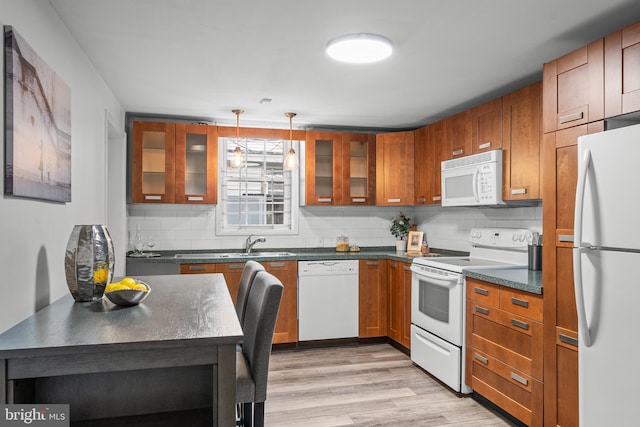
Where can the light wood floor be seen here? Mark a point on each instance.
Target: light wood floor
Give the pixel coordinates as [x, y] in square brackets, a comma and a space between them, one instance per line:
[367, 385]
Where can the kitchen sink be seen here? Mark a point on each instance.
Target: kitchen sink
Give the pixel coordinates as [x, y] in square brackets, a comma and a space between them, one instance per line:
[219, 255]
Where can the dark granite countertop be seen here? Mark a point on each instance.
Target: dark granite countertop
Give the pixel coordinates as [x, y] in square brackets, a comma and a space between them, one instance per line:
[298, 254]
[517, 278]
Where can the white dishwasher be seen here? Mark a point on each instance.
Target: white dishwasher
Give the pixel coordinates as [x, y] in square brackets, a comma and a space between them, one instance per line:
[327, 299]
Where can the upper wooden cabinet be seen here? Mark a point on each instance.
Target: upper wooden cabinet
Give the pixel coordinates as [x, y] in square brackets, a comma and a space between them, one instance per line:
[394, 168]
[459, 135]
[358, 169]
[174, 163]
[340, 168]
[430, 150]
[574, 88]
[521, 111]
[486, 126]
[622, 71]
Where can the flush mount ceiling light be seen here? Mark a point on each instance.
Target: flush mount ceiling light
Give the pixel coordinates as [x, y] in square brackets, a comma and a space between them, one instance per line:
[360, 48]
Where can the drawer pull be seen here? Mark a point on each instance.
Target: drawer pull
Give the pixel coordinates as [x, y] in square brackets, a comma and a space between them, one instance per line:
[436, 198]
[196, 267]
[568, 340]
[324, 199]
[235, 266]
[373, 263]
[195, 198]
[571, 117]
[483, 360]
[519, 191]
[392, 264]
[393, 200]
[481, 291]
[520, 379]
[406, 267]
[485, 145]
[276, 264]
[520, 324]
[358, 200]
[146, 197]
[422, 199]
[482, 310]
[520, 302]
[565, 238]
[457, 152]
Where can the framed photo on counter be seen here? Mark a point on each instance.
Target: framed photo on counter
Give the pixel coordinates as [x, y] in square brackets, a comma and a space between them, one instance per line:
[414, 241]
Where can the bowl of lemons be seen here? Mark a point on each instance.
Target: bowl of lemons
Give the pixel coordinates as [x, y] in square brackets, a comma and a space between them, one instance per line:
[127, 292]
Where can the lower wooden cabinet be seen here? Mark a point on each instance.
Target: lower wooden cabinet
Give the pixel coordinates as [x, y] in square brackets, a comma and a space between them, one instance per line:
[287, 271]
[504, 348]
[372, 298]
[399, 294]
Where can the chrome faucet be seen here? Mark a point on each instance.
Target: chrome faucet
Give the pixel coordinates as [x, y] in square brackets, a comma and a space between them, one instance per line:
[248, 244]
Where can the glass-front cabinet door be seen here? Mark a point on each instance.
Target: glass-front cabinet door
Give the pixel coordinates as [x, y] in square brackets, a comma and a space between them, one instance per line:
[358, 168]
[152, 177]
[196, 165]
[323, 168]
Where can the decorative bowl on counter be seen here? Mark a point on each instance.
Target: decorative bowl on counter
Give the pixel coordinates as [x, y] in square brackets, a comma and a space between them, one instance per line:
[128, 297]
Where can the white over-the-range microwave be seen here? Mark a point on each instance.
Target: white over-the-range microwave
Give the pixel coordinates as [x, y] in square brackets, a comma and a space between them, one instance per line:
[474, 180]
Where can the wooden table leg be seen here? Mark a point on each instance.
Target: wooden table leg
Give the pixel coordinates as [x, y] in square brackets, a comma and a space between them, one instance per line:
[224, 395]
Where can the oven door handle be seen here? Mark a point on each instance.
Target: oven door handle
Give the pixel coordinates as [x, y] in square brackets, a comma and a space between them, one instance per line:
[436, 279]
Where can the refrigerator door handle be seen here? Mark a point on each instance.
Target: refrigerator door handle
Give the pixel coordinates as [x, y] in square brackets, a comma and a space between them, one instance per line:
[583, 325]
[582, 183]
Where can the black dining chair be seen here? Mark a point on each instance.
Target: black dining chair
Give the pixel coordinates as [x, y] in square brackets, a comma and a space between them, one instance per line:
[249, 271]
[252, 363]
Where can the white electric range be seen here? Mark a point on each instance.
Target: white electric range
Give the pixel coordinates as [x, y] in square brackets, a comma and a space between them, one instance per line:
[438, 299]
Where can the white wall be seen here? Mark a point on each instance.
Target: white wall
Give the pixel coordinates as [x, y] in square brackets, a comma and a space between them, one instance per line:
[176, 227]
[34, 233]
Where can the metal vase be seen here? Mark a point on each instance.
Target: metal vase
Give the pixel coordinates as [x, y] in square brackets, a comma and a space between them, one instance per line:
[88, 262]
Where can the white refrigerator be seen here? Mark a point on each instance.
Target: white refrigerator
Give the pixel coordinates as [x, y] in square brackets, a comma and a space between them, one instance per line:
[606, 261]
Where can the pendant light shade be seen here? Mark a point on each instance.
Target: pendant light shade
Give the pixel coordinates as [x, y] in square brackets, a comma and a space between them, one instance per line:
[237, 160]
[291, 159]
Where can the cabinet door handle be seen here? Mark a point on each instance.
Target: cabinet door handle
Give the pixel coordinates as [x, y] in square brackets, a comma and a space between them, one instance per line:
[520, 302]
[519, 191]
[565, 238]
[147, 197]
[457, 152]
[568, 340]
[436, 198]
[485, 145]
[571, 117]
[406, 267]
[483, 360]
[520, 379]
[392, 264]
[422, 199]
[393, 200]
[358, 200]
[372, 263]
[520, 324]
[196, 267]
[324, 199]
[276, 264]
[481, 291]
[235, 266]
[482, 310]
[195, 198]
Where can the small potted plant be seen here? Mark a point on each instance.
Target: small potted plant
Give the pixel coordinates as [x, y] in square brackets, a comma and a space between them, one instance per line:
[400, 226]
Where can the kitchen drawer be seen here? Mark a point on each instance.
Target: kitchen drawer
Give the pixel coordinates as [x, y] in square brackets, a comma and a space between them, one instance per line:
[483, 292]
[494, 380]
[197, 268]
[495, 335]
[522, 303]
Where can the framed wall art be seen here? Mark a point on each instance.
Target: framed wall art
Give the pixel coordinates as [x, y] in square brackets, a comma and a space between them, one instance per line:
[37, 125]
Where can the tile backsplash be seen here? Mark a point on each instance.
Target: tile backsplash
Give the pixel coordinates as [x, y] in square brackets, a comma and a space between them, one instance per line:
[177, 227]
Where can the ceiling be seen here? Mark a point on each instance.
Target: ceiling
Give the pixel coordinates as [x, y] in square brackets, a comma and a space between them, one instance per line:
[203, 58]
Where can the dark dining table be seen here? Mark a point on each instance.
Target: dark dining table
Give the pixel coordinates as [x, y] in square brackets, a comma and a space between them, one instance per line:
[109, 361]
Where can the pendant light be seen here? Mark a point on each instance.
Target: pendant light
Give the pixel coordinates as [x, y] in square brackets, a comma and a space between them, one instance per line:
[291, 159]
[236, 159]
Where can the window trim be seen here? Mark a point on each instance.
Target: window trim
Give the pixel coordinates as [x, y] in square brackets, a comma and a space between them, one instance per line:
[268, 230]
